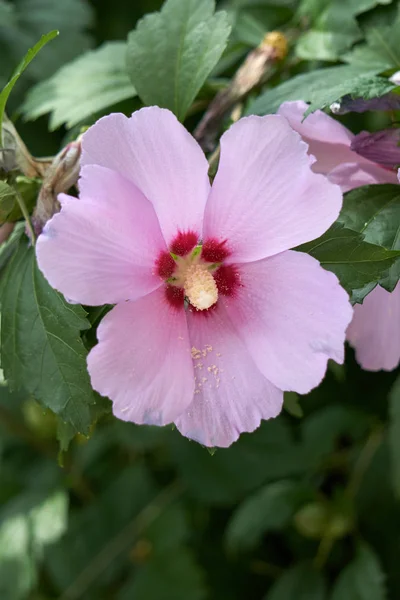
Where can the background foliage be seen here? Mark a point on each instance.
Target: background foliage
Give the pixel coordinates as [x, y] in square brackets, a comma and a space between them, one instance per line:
[305, 508]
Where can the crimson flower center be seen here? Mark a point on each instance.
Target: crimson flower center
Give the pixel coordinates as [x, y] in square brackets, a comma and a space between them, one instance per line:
[196, 271]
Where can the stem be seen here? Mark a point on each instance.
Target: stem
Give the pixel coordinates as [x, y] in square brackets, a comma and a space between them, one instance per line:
[25, 213]
[364, 460]
[324, 549]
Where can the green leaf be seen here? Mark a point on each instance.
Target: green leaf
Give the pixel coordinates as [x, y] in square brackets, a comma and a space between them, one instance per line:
[171, 571]
[9, 207]
[355, 262]
[171, 577]
[84, 87]
[394, 434]
[28, 525]
[362, 579]
[30, 55]
[321, 88]
[270, 509]
[30, 18]
[324, 45]
[104, 525]
[171, 53]
[8, 247]
[41, 348]
[322, 430]
[7, 14]
[291, 403]
[301, 583]
[374, 211]
[8, 202]
[267, 454]
[382, 50]
[334, 29]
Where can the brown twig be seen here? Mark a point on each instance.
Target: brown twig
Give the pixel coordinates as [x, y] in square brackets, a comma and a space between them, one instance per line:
[256, 68]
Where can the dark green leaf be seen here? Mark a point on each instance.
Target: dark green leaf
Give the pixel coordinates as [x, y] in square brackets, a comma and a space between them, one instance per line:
[270, 509]
[300, 583]
[355, 262]
[394, 434]
[9, 207]
[27, 527]
[41, 347]
[105, 525]
[171, 572]
[171, 53]
[334, 29]
[322, 430]
[321, 88]
[291, 403]
[89, 84]
[8, 247]
[325, 45]
[171, 577]
[362, 579]
[381, 51]
[30, 18]
[30, 55]
[8, 202]
[267, 454]
[374, 211]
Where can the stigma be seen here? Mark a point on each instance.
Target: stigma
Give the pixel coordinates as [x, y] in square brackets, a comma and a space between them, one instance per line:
[200, 287]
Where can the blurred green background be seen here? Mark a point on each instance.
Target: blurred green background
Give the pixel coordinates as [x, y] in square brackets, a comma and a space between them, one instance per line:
[305, 508]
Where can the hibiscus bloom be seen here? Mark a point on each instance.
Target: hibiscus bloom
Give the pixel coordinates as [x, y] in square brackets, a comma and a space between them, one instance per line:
[375, 329]
[214, 316]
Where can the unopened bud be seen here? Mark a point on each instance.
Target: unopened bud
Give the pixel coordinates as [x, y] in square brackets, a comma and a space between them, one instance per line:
[348, 104]
[60, 177]
[381, 147]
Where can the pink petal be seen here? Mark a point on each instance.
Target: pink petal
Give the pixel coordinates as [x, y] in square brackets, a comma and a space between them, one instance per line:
[160, 157]
[292, 316]
[265, 198]
[142, 361]
[375, 330]
[102, 248]
[329, 141]
[352, 175]
[231, 395]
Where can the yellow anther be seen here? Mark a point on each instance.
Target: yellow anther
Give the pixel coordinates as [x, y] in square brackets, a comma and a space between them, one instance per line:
[200, 287]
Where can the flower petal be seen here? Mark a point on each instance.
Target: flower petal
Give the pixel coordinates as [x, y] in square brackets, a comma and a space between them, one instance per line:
[265, 198]
[142, 361]
[231, 395]
[292, 316]
[375, 330]
[154, 151]
[102, 248]
[328, 140]
[352, 175]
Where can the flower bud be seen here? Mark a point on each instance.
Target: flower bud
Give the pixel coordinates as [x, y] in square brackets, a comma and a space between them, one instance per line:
[348, 104]
[62, 174]
[381, 147]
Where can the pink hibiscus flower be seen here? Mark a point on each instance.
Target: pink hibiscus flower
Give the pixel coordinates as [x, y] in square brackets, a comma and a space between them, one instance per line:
[375, 329]
[214, 316]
